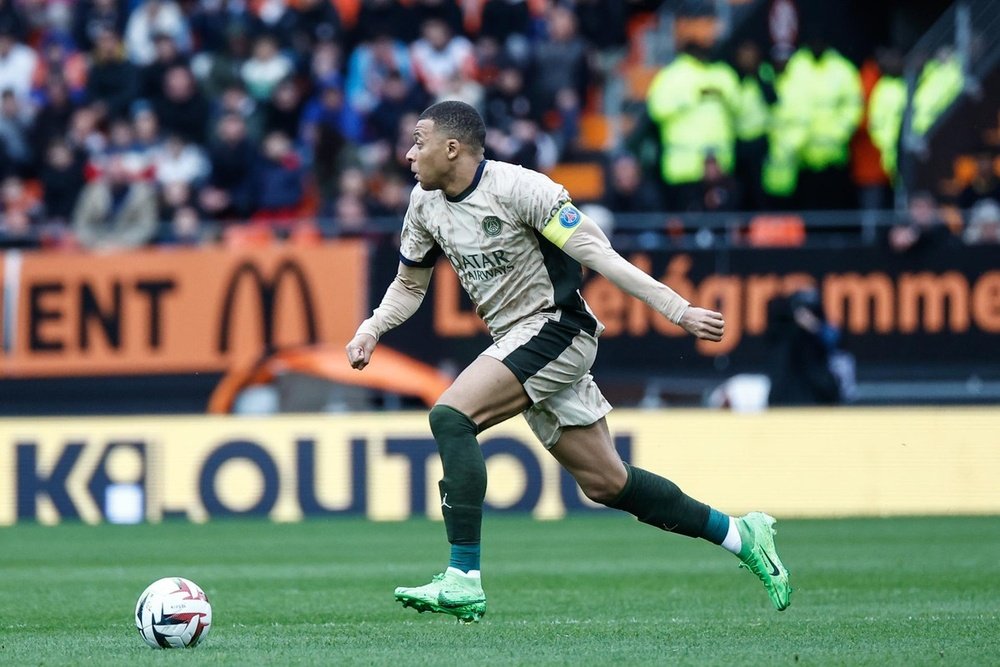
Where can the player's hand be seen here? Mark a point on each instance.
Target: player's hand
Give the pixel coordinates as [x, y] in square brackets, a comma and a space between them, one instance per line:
[703, 323]
[359, 350]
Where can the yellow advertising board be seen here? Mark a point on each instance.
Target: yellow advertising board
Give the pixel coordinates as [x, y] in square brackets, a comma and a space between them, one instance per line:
[793, 463]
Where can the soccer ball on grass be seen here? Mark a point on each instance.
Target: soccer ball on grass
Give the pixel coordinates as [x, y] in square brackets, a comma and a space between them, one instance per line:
[173, 613]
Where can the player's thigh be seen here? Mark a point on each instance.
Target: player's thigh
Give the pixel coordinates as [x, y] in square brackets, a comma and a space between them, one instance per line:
[487, 392]
[588, 453]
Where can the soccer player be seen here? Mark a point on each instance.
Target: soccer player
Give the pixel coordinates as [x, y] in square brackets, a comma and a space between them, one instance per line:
[517, 242]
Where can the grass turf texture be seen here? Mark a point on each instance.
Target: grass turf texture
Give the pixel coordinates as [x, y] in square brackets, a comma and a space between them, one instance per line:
[585, 591]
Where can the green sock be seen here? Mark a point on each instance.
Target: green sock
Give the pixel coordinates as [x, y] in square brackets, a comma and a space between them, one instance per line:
[660, 503]
[463, 487]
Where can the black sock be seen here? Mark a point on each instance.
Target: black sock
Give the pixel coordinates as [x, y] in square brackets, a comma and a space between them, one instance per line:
[659, 502]
[463, 487]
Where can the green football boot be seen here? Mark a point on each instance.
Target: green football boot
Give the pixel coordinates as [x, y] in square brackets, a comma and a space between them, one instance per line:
[451, 592]
[760, 557]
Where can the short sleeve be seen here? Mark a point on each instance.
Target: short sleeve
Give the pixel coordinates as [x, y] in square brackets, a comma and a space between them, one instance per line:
[416, 245]
[546, 207]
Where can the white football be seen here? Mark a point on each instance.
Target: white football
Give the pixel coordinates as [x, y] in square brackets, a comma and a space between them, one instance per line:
[173, 613]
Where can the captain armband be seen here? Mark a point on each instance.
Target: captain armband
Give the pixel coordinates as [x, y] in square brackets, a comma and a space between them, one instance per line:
[565, 220]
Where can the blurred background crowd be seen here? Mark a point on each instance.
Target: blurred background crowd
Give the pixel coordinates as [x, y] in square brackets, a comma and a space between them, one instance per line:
[130, 122]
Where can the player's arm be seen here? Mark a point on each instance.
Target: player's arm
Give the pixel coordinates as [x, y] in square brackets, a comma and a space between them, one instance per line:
[587, 244]
[402, 298]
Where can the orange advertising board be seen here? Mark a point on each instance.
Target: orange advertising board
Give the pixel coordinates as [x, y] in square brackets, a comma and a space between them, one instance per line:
[175, 310]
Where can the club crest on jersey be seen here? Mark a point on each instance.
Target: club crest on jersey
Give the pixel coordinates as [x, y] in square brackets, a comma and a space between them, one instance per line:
[569, 217]
[492, 225]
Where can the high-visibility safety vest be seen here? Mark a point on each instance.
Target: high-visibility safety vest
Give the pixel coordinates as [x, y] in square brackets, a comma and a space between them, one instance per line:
[694, 104]
[886, 107]
[752, 112]
[832, 86]
[791, 120]
[939, 84]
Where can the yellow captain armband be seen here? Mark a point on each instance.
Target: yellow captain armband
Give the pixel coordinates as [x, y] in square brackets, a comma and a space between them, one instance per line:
[562, 224]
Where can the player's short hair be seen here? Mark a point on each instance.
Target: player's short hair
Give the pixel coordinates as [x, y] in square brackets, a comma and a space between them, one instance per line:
[458, 120]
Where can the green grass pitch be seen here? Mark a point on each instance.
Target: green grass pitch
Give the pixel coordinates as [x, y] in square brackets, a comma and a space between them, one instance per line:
[586, 591]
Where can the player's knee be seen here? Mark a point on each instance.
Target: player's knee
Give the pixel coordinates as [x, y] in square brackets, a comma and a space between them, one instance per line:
[600, 488]
[448, 422]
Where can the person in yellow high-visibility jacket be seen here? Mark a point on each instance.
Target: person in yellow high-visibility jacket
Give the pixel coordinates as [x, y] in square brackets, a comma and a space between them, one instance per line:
[831, 85]
[885, 119]
[693, 103]
[939, 84]
[787, 135]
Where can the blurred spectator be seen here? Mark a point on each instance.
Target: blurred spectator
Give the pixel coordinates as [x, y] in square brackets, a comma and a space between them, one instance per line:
[181, 108]
[940, 82]
[350, 218]
[59, 59]
[559, 61]
[153, 75]
[278, 182]
[923, 229]
[275, 18]
[392, 196]
[507, 100]
[627, 191]
[283, 112]
[83, 135]
[112, 82]
[235, 100]
[886, 107]
[146, 133]
[462, 89]
[228, 192]
[11, 20]
[178, 161]
[214, 22]
[830, 87]
[388, 17]
[438, 56]
[398, 97]
[508, 22]
[265, 69]
[53, 117]
[114, 211]
[185, 228]
[446, 11]
[329, 108]
[984, 184]
[526, 145]
[15, 138]
[92, 17]
[753, 116]
[603, 25]
[62, 181]
[149, 19]
[564, 124]
[693, 102]
[332, 156]
[316, 21]
[804, 343]
[720, 191]
[370, 67]
[984, 224]
[20, 208]
[17, 62]
[325, 64]
[221, 68]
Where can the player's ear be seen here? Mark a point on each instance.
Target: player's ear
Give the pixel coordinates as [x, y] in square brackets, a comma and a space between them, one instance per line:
[453, 147]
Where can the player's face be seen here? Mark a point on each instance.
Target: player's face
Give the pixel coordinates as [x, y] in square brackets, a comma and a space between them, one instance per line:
[429, 155]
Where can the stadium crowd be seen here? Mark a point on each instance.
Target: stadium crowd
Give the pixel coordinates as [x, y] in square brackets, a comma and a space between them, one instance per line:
[129, 122]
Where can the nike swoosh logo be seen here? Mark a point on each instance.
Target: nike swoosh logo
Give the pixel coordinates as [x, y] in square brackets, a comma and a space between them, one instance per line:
[775, 572]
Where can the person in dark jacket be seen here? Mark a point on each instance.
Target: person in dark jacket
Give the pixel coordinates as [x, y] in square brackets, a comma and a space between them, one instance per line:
[112, 81]
[803, 341]
[278, 181]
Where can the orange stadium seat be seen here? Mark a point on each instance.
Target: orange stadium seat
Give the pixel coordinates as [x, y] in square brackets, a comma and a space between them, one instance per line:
[595, 132]
[583, 180]
[769, 231]
[701, 30]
